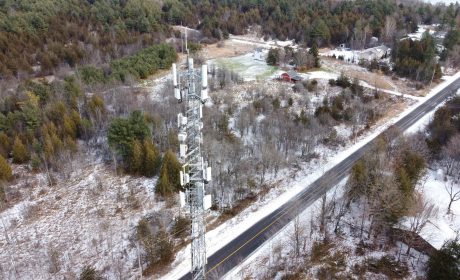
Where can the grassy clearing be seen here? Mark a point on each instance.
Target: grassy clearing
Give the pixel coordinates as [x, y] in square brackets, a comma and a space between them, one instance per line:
[266, 75]
[247, 67]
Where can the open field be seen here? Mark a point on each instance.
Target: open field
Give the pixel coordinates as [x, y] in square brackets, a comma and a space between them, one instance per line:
[246, 66]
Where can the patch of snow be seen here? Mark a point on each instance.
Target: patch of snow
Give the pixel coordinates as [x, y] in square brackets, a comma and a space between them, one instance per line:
[155, 86]
[444, 226]
[259, 42]
[260, 118]
[446, 2]
[319, 75]
[348, 55]
[420, 31]
[392, 92]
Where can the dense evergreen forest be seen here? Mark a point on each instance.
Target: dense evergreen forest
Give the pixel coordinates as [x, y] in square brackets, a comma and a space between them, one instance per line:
[53, 33]
[56, 34]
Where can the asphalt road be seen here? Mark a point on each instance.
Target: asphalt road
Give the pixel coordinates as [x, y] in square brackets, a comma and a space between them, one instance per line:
[247, 242]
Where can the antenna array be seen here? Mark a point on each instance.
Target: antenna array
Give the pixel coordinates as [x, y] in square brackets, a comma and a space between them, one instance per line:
[191, 87]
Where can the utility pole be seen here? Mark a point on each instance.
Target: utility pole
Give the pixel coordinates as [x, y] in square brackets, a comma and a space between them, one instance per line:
[190, 86]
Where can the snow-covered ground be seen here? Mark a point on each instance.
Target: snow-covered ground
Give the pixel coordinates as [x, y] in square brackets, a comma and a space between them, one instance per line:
[447, 2]
[260, 42]
[442, 226]
[217, 238]
[420, 31]
[86, 219]
[348, 55]
[251, 264]
[392, 92]
[319, 75]
[355, 56]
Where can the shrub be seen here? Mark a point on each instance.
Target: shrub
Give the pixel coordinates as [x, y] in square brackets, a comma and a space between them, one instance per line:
[90, 273]
[181, 226]
[5, 170]
[91, 75]
[20, 152]
[273, 57]
[389, 266]
[343, 81]
[445, 263]
[169, 175]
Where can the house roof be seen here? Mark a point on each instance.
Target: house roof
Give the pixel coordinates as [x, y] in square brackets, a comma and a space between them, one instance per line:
[294, 76]
[292, 73]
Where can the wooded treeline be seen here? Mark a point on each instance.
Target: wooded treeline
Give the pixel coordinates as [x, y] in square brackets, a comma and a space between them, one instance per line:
[42, 36]
[417, 59]
[55, 33]
[41, 121]
[327, 22]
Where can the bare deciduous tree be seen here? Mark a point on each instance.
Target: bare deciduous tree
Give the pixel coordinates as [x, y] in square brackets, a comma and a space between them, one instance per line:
[419, 214]
[451, 156]
[454, 193]
[297, 237]
[389, 29]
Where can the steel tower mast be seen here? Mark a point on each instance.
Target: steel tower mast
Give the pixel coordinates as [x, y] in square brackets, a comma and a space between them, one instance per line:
[190, 86]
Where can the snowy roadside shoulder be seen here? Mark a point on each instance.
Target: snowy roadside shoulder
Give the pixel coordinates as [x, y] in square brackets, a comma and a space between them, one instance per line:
[281, 238]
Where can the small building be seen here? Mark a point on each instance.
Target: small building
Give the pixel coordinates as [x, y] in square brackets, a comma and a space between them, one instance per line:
[291, 76]
[259, 54]
[374, 53]
[373, 41]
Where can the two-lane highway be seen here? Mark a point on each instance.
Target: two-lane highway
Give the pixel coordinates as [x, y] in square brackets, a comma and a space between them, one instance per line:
[247, 242]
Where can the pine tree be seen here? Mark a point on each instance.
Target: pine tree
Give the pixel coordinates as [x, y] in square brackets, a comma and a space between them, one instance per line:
[445, 263]
[173, 166]
[169, 180]
[35, 162]
[136, 157]
[314, 51]
[273, 57]
[163, 186]
[437, 72]
[5, 170]
[70, 128]
[89, 273]
[358, 180]
[20, 153]
[152, 159]
[48, 148]
[5, 146]
[2, 194]
[404, 181]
